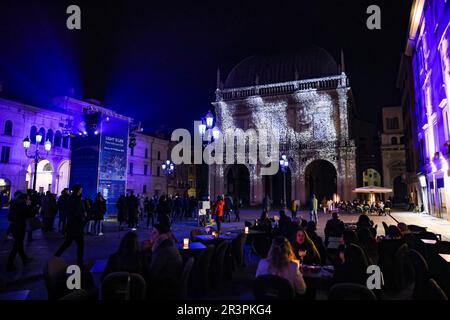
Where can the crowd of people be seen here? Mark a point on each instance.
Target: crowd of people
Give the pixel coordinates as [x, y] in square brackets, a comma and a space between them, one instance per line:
[295, 241]
[132, 210]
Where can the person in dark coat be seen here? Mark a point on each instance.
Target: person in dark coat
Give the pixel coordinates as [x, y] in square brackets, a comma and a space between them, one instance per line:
[75, 224]
[264, 223]
[19, 211]
[99, 210]
[163, 210]
[122, 210]
[352, 267]
[49, 209]
[317, 240]
[334, 228]
[150, 207]
[228, 207]
[166, 264]
[63, 208]
[236, 209]
[128, 258]
[133, 210]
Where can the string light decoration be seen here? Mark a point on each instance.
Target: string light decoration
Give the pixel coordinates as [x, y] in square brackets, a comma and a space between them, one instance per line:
[311, 124]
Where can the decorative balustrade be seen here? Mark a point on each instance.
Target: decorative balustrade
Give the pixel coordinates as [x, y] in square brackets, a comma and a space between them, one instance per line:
[325, 83]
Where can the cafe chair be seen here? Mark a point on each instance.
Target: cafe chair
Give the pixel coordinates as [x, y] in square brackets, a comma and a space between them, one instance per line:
[185, 276]
[237, 245]
[350, 291]
[416, 229]
[421, 274]
[261, 245]
[123, 286]
[55, 278]
[217, 266]
[77, 295]
[271, 287]
[201, 273]
[386, 228]
[434, 291]
[443, 247]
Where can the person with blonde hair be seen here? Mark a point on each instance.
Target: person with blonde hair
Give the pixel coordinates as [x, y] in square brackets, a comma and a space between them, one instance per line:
[281, 261]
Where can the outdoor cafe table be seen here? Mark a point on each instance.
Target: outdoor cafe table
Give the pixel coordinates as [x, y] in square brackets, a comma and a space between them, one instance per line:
[446, 257]
[193, 249]
[316, 277]
[210, 239]
[15, 295]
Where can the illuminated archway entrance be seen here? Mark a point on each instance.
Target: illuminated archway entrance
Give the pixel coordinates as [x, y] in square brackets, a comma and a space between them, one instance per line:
[238, 183]
[44, 176]
[63, 176]
[321, 180]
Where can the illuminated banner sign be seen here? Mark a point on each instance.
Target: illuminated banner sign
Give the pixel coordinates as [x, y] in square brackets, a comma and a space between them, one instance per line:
[99, 159]
[113, 160]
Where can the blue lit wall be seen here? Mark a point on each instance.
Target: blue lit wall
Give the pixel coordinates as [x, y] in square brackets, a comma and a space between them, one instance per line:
[431, 68]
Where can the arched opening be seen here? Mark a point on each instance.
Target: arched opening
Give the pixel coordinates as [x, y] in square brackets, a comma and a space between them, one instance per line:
[65, 142]
[8, 128]
[44, 176]
[371, 177]
[400, 190]
[58, 139]
[238, 183]
[42, 133]
[321, 180]
[275, 185]
[33, 132]
[5, 191]
[63, 176]
[394, 140]
[50, 136]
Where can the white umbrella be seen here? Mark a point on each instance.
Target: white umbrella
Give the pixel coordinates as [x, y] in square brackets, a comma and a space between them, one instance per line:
[372, 189]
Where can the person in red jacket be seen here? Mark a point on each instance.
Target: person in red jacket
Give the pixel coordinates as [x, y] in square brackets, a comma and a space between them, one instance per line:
[218, 211]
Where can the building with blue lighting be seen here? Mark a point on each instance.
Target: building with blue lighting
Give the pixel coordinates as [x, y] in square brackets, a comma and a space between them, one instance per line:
[424, 79]
[64, 120]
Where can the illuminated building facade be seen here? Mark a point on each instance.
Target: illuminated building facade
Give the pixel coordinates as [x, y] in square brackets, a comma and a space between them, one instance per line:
[18, 120]
[425, 80]
[393, 153]
[305, 98]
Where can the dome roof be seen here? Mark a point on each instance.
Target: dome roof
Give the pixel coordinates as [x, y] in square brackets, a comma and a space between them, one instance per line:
[307, 63]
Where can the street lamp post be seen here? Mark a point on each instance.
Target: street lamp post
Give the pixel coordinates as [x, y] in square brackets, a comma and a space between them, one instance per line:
[284, 164]
[207, 124]
[168, 168]
[36, 156]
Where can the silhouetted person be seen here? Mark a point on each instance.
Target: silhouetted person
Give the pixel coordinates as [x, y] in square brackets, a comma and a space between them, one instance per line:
[75, 224]
[63, 208]
[19, 211]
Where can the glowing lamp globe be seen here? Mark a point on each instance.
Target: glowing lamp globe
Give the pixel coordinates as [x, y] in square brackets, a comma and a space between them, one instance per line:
[26, 143]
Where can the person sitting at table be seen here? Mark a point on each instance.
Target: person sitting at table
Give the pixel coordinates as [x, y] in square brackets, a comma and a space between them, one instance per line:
[387, 251]
[128, 258]
[317, 240]
[352, 266]
[165, 264]
[368, 243]
[281, 262]
[264, 223]
[304, 248]
[365, 222]
[334, 228]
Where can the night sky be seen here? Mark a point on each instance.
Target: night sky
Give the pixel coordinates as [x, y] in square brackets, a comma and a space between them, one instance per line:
[156, 61]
